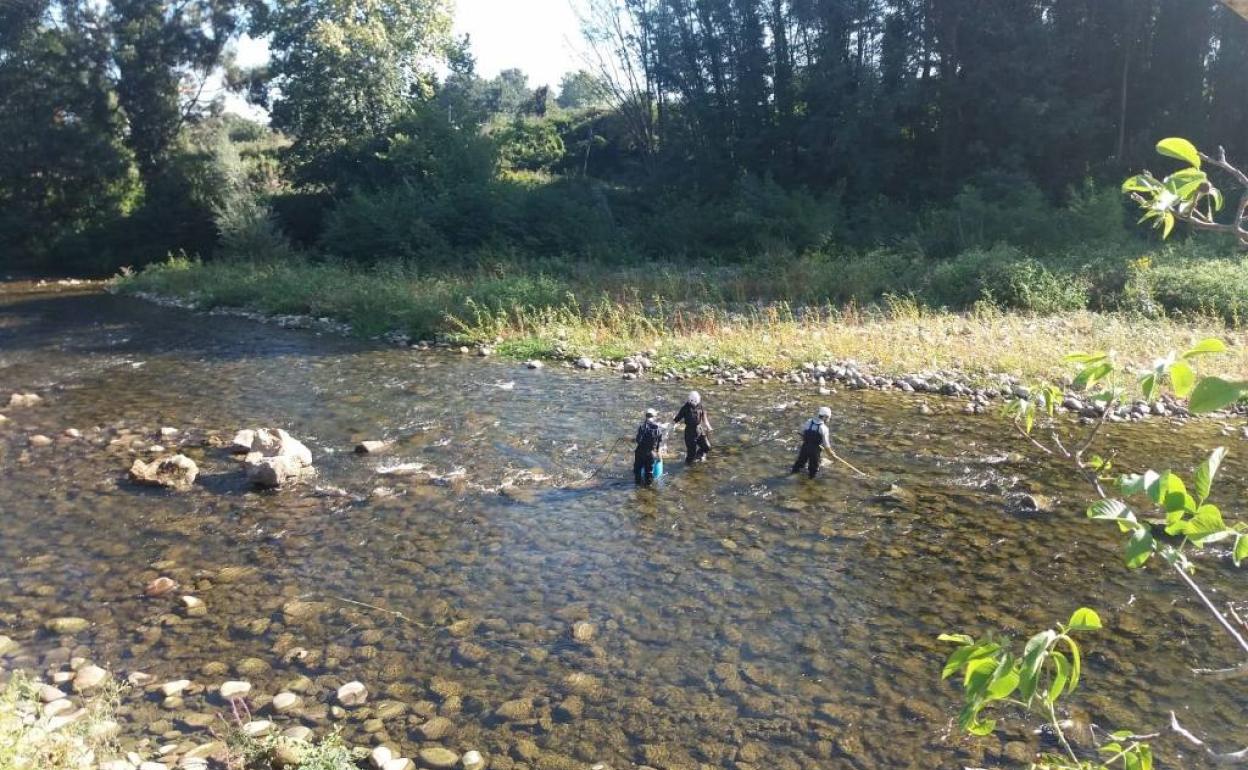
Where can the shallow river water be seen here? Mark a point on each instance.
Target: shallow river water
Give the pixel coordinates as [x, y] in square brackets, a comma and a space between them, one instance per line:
[743, 618]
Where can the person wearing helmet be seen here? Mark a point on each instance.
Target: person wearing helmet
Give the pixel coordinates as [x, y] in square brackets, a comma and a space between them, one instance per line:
[697, 428]
[649, 446]
[814, 441]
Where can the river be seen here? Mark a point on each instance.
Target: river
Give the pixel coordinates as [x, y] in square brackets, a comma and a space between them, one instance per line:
[742, 618]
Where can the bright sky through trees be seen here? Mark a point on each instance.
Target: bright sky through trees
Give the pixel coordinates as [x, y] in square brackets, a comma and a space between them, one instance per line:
[541, 37]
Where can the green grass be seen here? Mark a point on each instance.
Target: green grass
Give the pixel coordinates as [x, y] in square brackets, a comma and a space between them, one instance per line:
[29, 742]
[721, 315]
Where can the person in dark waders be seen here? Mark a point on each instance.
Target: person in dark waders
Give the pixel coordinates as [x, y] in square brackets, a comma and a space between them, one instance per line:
[814, 441]
[697, 428]
[649, 446]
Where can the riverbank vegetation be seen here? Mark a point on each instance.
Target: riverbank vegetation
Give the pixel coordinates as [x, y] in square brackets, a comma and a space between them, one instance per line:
[35, 737]
[726, 315]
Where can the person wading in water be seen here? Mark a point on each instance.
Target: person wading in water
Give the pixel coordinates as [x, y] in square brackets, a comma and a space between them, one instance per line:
[697, 426]
[649, 446]
[814, 441]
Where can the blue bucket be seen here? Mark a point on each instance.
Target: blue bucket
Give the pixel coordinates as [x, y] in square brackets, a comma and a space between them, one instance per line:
[658, 468]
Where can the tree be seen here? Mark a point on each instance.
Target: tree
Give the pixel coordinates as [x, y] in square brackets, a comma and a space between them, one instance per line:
[342, 70]
[581, 90]
[64, 166]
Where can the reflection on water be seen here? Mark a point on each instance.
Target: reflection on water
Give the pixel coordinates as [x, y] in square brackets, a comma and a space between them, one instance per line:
[741, 618]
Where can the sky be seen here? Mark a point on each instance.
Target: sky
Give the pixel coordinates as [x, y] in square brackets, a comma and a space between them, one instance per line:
[541, 37]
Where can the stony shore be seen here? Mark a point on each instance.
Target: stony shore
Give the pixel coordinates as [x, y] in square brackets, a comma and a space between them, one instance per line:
[976, 394]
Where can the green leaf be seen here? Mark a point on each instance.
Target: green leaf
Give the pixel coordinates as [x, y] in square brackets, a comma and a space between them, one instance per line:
[1205, 347]
[1140, 547]
[1092, 374]
[1084, 619]
[1167, 225]
[1241, 549]
[1061, 675]
[1206, 526]
[1076, 663]
[1034, 655]
[1206, 473]
[1218, 201]
[1139, 183]
[1148, 386]
[1177, 147]
[1110, 510]
[1214, 393]
[1183, 378]
[1084, 358]
[1004, 680]
[1137, 484]
[959, 638]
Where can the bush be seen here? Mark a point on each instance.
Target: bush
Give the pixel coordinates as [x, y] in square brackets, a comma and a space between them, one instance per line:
[1006, 276]
[530, 145]
[388, 224]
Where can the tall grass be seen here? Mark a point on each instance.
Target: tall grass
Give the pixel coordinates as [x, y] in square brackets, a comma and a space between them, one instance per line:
[778, 317]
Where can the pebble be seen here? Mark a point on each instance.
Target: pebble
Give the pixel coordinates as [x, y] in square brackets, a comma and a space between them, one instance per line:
[48, 693]
[438, 758]
[169, 689]
[57, 707]
[194, 607]
[514, 710]
[67, 625]
[380, 756]
[435, 729]
[7, 645]
[235, 689]
[298, 733]
[88, 678]
[584, 631]
[534, 364]
[160, 586]
[399, 763]
[472, 760]
[72, 433]
[352, 694]
[285, 701]
[258, 728]
[372, 447]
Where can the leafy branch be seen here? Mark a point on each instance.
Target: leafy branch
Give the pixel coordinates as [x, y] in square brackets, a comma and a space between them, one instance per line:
[1187, 195]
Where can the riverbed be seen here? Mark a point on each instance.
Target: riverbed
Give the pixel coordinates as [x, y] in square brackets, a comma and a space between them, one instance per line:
[739, 617]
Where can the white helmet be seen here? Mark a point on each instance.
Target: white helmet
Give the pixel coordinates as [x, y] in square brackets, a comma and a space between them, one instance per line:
[695, 397]
[651, 412]
[825, 413]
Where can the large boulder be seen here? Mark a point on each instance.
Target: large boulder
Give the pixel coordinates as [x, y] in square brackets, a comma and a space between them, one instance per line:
[275, 458]
[176, 472]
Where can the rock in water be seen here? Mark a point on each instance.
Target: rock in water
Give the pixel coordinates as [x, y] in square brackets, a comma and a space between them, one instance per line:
[372, 447]
[438, 758]
[352, 694]
[472, 760]
[275, 458]
[68, 625]
[176, 472]
[88, 678]
[160, 586]
[17, 400]
[242, 441]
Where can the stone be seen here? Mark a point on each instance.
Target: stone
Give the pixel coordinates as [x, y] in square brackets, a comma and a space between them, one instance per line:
[380, 756]
[197, 721]
[57, 707]
[514, 710]
[21, 400]
[169, 689]
[194, 607]
[251, 667]
[399, 763]
[298, 732]
[39, 440]
[285, 701]
[438, 758]
[258, 728]
[372, 447]
[534, 364]
[352, 694]
[435, 729]
[48, 693]
[7, 645]
[273, 472]
[584, 362]
[469, 653]
[472, 760]
[235, 689]
[275, 458]
[176, 472]
[88, 678]
[242, 441]
[584, 631]
[160, 586]
[570, 708]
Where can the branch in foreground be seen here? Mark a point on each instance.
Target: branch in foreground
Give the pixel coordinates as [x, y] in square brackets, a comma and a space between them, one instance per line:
[1233, 758]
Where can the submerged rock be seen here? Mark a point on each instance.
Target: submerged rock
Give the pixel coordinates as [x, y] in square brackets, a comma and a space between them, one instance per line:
[175, 472]
[19, 400]
[438, 758]
[352, 694]
[372, 447]
[67, 625]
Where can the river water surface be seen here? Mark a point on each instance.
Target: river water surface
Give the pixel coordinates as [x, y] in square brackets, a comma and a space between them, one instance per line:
[742, 618]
